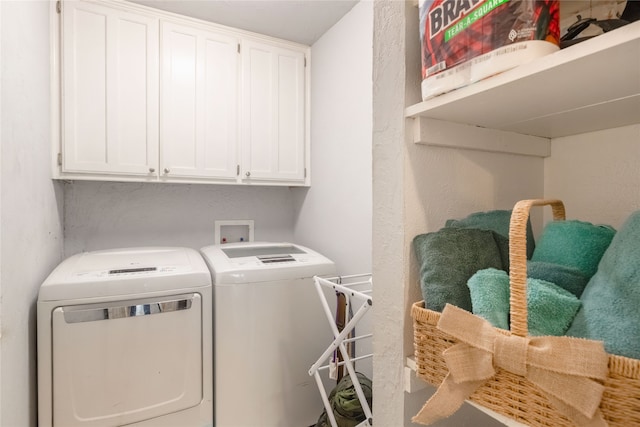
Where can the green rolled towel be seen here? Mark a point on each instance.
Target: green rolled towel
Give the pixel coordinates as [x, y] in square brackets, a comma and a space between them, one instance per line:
[447, 258]
[569, 278]
[490, 296]
[550, 309]
[611, 299]
[574, 243]
[498, 221]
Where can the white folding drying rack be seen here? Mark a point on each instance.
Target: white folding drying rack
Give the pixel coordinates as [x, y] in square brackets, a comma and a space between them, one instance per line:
[361, 302]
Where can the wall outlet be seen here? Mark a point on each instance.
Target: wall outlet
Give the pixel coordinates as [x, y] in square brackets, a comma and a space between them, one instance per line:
[233, 231]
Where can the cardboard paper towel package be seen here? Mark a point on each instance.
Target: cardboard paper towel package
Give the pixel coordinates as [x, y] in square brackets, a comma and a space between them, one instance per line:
[464, 41]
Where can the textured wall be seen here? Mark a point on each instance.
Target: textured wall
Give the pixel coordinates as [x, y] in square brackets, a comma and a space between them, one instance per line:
[31, 230]
[101, 215]
[388, 212]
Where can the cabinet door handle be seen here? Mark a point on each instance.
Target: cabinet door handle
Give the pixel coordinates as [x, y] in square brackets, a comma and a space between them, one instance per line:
[248, 174]
[167, 170]
[152, 170]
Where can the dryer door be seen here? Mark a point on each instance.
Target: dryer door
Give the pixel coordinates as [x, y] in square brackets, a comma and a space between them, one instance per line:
[121, 362]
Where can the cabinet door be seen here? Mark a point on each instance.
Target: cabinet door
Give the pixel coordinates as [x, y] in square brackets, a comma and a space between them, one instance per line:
[109, 90]
[199, 102]
[273, 113]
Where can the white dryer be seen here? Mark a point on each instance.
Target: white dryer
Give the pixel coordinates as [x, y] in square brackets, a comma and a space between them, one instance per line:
[124, 338]
[269, 329]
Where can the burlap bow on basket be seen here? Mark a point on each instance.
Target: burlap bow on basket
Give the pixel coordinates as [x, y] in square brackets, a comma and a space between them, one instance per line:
[562, 367]
[566, 370]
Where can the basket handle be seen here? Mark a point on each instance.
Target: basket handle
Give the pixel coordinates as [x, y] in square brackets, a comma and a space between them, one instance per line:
[518, 259]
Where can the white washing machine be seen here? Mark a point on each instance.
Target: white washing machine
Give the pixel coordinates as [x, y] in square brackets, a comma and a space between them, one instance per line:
[269, 330]
[125, 338]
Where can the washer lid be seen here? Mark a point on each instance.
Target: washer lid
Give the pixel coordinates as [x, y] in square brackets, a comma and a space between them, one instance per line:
[127, 271]
[252, 262]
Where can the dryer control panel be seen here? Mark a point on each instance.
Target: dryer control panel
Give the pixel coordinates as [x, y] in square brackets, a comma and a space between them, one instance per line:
[263, 261]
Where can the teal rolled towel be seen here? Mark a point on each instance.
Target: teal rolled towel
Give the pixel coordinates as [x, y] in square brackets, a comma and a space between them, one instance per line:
[447, 259]
[498, 221]
[569, 278]
[489, 289]
[574, 243]
[550, 309]
[611, 300]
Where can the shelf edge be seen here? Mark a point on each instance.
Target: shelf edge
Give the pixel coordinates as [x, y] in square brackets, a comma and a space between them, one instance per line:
[441, 133]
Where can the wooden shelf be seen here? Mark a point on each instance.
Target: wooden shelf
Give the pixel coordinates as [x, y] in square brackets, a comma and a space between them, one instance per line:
[590, 86]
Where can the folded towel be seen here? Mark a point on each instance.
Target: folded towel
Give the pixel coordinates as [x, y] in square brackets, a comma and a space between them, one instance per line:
[550, 309]
[498, 221]
[448, 258]
[574, 244]
[569, 278]
[489, 290]
[611, 299]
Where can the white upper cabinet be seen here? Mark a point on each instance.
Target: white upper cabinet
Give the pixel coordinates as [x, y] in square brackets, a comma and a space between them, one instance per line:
[199, 103]
[110, 91]
[147, 95]
[273, 131]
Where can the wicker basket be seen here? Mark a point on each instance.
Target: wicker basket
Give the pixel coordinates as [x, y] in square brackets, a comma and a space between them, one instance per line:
[512, 395]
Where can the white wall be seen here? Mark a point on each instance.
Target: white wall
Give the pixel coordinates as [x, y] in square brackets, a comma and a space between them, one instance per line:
[31, 230]
[334, 215]
[1, 134]
[596, 175]
[101, 215]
